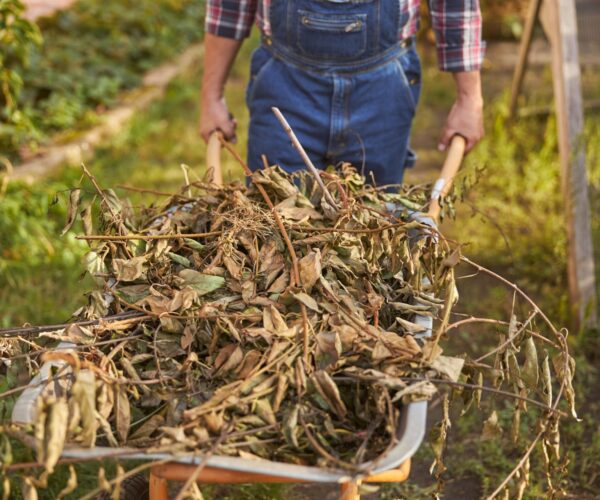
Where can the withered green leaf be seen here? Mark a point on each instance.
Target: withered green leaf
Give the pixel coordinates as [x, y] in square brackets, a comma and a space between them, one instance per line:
[530, 372]
[129, 270]
[122, 413]
[307, 300]
[84, 393]
[72, 209]
[55, 432]
[328, 389]
[202, 283]
[491, 428]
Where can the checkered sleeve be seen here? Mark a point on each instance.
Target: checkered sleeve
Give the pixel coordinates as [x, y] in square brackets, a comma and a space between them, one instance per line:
[229, 18]
[457, 25]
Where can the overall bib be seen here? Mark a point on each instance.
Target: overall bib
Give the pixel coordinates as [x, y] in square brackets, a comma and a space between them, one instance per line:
[348, 87]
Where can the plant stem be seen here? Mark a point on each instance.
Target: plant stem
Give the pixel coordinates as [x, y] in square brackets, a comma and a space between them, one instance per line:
[29, 330]
[509, 339]
[97, 237]
[517, 467]
[305, 158]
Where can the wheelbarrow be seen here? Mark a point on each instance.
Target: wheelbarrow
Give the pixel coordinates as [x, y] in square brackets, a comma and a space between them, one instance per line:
[393, 467]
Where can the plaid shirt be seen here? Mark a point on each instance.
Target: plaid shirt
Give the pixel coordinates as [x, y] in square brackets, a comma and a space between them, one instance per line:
[457, 24]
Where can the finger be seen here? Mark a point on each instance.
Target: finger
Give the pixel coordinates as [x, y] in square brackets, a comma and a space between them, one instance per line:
[228, 130]
[444, 142]
[206, 133]
[472, 141]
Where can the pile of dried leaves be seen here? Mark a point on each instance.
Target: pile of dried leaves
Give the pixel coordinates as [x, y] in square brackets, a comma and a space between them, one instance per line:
[280, 320]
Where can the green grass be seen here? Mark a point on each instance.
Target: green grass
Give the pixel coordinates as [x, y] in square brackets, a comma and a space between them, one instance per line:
[90, 54]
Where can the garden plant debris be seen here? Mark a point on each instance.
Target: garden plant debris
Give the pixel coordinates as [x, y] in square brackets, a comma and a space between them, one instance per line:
[269, 321]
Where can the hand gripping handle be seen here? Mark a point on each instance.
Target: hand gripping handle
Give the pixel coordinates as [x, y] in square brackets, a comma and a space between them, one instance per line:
[442, 186]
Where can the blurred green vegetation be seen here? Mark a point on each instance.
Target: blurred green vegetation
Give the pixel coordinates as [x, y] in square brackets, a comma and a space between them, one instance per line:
[18, 38]
[90, 53]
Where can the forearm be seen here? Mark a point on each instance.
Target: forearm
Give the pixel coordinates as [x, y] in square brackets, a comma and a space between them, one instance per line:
[219, 55]
[468, 87]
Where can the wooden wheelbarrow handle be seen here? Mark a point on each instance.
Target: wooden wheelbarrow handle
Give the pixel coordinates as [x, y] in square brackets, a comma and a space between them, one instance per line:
[441, 188]
[213, 158]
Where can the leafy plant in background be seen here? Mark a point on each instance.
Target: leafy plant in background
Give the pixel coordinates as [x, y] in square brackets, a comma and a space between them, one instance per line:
[32, 255]
[91, 53]
[517, 217]
[18, 37]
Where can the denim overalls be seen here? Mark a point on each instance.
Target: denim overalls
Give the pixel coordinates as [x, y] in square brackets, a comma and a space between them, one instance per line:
[343, 80]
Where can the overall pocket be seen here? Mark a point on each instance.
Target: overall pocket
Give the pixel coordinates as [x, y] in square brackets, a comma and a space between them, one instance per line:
[408, 67]
[331, 37]
[261, 60]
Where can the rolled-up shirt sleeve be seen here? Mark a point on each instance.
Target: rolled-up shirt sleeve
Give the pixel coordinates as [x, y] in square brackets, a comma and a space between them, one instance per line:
[457, 25]
[229, 18]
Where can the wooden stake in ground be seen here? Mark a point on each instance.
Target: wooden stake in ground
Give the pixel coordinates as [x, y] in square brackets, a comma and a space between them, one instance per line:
[559, 20]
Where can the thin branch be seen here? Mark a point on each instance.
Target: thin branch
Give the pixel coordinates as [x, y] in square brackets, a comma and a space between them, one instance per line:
[300, 228]
[517, 467]
[322, 451]
[509, 339]
[484, 388]
[29, 330]
[70, 460]
[98, 237]
[121, 478]
[16, 390]
[473, 319]
[294, 257]
[491, 390]
[305, 158]
[99, 190]
[150, 191]
[517, 289]
[75, 347]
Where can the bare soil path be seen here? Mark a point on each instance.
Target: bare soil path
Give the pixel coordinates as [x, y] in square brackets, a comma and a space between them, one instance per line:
[43, 8]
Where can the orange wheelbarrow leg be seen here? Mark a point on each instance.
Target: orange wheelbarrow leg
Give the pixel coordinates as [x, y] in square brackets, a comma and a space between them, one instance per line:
[158, 487]
[349, 490]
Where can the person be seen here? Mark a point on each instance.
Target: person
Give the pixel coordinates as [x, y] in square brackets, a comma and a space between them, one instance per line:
[345, 74]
